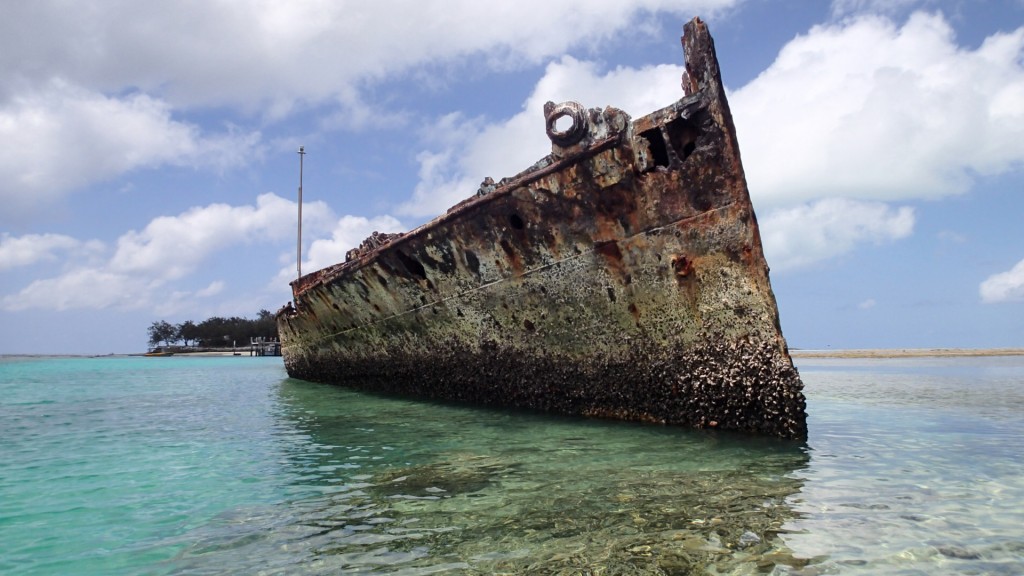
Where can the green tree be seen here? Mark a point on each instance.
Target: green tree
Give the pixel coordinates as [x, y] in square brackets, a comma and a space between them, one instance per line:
[215, 331]
[162, 331]
[188, 332]
[265, 325]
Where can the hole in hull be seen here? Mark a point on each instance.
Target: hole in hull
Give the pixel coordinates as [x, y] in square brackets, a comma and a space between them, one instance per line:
[412, 265]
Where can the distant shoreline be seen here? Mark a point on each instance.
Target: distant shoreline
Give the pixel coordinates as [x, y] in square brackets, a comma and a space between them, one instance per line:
[908, 353]
[202, 353]
[209, 352]
[238, 352]
[796, 353]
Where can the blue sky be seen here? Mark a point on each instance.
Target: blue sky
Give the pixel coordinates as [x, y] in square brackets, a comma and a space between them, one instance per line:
[148, 165]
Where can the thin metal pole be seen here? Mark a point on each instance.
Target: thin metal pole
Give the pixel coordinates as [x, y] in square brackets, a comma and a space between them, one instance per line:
[298, 259]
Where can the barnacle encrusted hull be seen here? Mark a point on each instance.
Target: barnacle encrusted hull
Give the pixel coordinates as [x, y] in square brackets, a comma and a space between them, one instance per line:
[621, 276]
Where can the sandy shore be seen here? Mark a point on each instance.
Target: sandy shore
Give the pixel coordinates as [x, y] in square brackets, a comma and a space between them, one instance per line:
[907, 353]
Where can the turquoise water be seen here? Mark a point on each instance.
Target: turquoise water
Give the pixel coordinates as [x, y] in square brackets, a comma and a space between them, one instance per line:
[224, 465]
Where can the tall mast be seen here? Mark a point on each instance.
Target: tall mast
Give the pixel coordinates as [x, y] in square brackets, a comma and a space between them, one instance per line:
[298, 258]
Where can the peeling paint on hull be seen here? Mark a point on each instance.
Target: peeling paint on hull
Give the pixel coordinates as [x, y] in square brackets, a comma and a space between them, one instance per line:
[622, 276]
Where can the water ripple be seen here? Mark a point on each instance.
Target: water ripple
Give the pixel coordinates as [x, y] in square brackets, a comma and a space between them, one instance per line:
[222, 466]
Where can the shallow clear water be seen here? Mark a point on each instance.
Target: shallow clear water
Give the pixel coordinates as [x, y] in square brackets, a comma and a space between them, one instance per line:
[224, 465]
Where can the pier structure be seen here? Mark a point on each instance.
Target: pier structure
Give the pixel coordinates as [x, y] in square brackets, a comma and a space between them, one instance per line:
[262, 346]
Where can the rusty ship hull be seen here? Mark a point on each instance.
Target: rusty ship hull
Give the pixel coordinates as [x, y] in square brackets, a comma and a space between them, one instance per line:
[622, 276]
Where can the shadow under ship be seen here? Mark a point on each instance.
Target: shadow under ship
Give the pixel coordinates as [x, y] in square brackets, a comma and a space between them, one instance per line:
[622, 276]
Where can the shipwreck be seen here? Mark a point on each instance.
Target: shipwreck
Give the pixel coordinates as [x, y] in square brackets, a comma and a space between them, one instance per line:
[622, 276]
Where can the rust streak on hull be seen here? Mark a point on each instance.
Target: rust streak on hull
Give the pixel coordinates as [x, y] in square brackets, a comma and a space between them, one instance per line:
[622, 276]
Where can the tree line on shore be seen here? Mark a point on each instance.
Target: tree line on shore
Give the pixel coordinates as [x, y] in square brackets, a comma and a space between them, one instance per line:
[215, 332]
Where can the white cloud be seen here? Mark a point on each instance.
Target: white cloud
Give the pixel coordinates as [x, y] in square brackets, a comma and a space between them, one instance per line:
[146, 265]
[809, 233]
[91, 91]
[29, 249]
[1005, 286]
[63, 137]
[215, 287]
[864, 111]
[867, 304]
[848, 115]
[794, 235]
[82, 288]
[268, 53]
[184, 300]
[869, 110]
[471, 149]
[170, 248]
[349, 232]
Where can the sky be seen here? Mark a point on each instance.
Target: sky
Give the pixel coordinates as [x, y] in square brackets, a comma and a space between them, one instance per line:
[149, 167]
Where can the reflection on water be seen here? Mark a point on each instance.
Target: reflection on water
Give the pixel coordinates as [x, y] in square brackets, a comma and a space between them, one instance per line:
[916, 467]
[912, 466]
[404, 487]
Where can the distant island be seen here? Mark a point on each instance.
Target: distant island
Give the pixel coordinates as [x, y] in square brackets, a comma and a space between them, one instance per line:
[212, 333]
